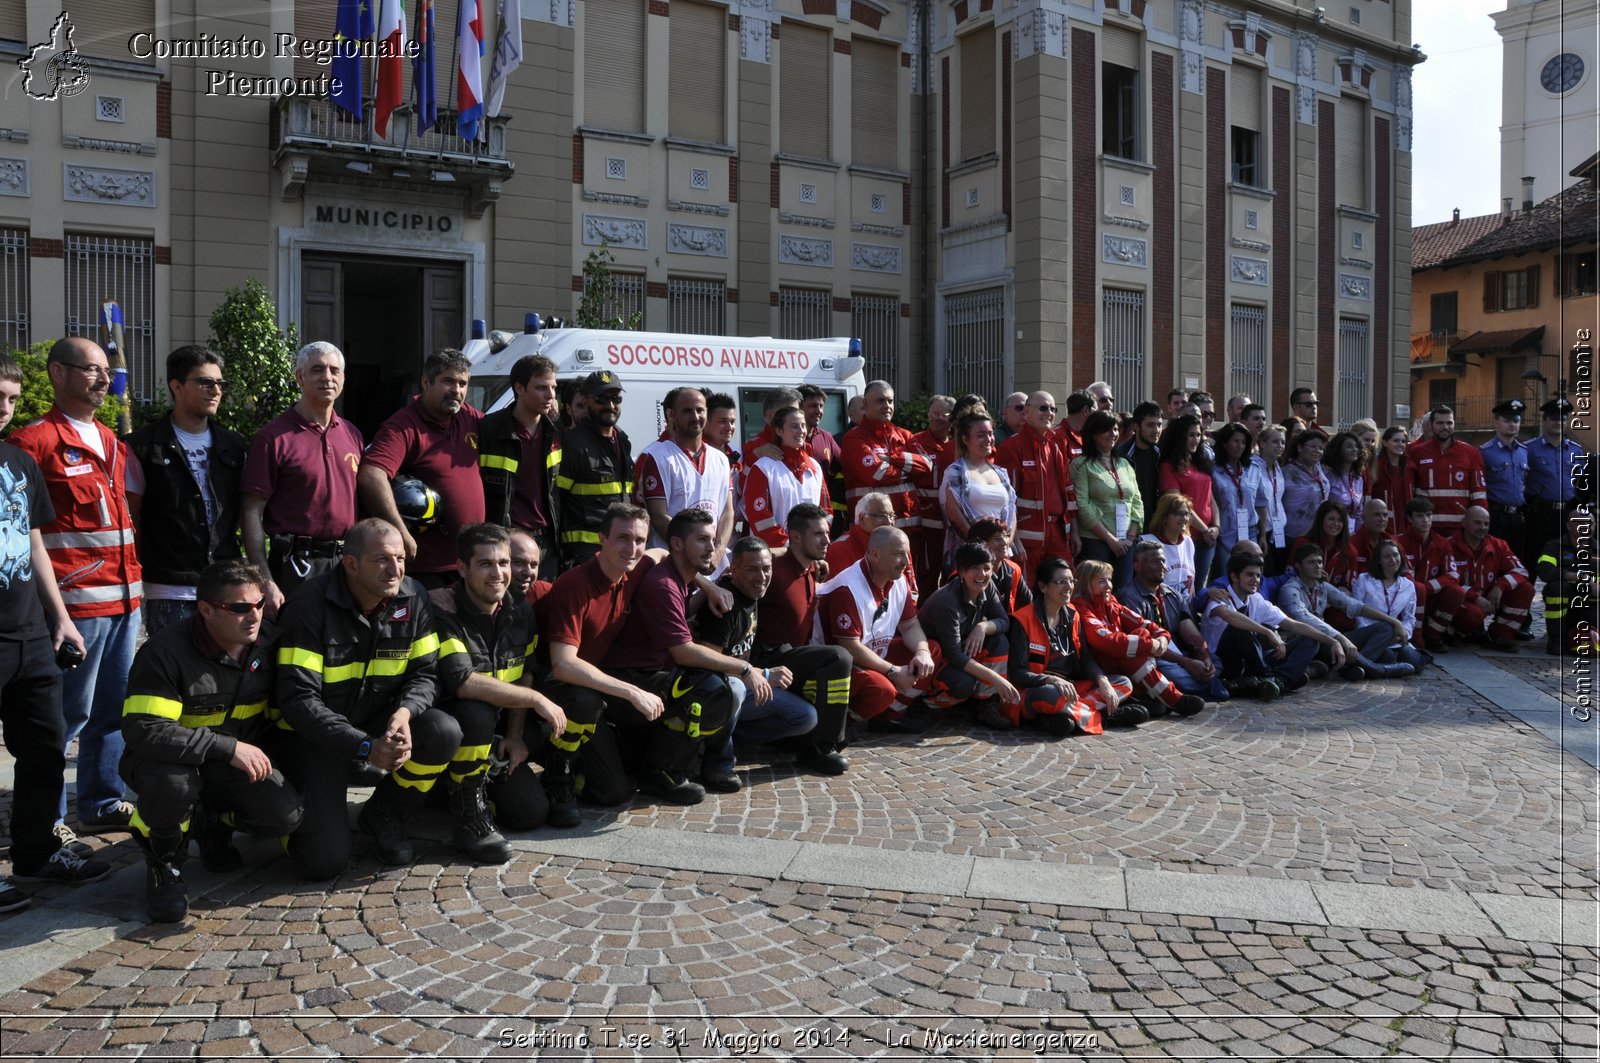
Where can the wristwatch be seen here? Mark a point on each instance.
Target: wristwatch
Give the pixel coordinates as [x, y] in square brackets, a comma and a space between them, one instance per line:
[364, 750]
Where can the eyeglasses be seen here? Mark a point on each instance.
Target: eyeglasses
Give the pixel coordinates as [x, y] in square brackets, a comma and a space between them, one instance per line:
[1046, 409]
[241, 608]
[613, 399]
[97, 372]
[1019, 407]
[1308, 402]
[206, 383]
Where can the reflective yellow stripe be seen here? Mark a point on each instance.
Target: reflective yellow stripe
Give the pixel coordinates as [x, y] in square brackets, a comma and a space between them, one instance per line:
[1548, 559]
[340, 673]
[383, 666]
[553, 458]
[450, 646]
[416, 776]
[533, 645]
[427, 644]
[581, 537]
[152, 705]
[495, 461]
[468, 754]
[245, 712]
[210, 719]
[297, 658]
[607, 487]
[510, 675]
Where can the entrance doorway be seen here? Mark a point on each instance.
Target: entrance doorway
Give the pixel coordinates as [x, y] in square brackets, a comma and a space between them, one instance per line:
[386, 315]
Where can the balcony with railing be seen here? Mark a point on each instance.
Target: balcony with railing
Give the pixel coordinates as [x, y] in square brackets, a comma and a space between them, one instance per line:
[312, 139]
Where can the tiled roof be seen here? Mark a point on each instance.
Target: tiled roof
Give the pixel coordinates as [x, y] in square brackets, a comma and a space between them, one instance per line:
[1432, 244]
[1567, 218]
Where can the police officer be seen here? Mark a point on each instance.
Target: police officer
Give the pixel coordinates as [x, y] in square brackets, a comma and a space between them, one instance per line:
[1558, 473]
[357, 660]
[196, 729]
[1505, 469]
[596, 469]
[486, 645]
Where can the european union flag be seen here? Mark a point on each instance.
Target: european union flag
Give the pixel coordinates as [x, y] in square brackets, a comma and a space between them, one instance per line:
[354, 25]
[422, 69]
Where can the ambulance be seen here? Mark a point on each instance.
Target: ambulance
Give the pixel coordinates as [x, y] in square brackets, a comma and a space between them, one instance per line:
[650, 364]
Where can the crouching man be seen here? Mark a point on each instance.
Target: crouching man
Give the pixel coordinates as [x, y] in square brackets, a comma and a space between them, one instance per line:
[486, 642]
[357, 662]
[196, 736]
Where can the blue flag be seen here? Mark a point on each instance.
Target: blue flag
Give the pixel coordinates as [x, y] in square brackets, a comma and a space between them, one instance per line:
[354, 25]
[422, 70]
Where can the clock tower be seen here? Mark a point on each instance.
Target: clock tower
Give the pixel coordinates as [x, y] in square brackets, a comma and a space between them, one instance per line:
[1550, 94]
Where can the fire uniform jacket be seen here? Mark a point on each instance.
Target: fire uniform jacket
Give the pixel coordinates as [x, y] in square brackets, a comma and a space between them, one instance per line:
[1452, 480]
[176, 542]
[91, 540]
[595, 472]
[186, 705]
[340, 673]
[879, 456]
[501, 646]
[500, 463]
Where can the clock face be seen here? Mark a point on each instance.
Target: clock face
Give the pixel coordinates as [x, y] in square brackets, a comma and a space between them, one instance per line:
[1562, 73]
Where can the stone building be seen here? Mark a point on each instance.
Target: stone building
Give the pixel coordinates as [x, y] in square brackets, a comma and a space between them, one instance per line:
[990, 193]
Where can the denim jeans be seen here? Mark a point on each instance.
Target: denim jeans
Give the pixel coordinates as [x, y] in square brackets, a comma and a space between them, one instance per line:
[91, 705]
[785, 715]
[164, 612]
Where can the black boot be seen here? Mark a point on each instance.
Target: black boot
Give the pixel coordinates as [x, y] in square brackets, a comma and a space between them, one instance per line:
[560, 794]
[475, 833]
[214, 838]
[166, 894]
[385, 823]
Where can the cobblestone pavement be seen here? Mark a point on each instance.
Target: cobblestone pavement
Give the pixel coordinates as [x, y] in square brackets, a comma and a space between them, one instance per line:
[1427, 785]
[439, 960]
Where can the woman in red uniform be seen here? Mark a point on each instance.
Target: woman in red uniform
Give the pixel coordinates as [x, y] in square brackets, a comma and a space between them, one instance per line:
[1064, 691]
[1123, 641]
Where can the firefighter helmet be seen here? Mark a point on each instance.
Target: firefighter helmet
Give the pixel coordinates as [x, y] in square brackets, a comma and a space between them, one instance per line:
[417, 502]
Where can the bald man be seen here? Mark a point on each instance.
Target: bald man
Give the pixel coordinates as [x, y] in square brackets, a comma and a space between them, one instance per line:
[881, 456]
[1494, 583]
[1036, 459]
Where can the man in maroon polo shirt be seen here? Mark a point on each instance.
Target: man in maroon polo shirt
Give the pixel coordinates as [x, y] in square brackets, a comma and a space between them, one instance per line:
[785, 623]
[435, 439]
[299, 485]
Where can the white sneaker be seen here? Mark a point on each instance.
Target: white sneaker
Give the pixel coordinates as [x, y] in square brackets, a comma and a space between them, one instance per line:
[69, 840]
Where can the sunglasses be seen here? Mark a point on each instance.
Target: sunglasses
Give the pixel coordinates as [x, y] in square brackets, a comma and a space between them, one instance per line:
[883, 607]
[208, 384]
[613, 399]
[241, 608]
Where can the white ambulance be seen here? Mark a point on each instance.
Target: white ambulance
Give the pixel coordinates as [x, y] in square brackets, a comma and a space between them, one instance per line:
[650, 364]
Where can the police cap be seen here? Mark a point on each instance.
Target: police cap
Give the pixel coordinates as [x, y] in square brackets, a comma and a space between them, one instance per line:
[1509, 408]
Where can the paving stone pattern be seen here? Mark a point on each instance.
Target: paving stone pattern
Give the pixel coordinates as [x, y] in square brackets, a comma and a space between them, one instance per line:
[440, 960]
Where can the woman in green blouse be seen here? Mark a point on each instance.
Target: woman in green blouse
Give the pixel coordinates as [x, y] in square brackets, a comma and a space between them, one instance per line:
[1110, 510]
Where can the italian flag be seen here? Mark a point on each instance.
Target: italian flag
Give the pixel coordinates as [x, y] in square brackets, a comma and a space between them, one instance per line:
[391, 62]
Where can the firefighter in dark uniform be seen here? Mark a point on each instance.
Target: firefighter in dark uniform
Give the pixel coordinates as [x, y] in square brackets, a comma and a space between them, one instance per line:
[357, 660]
[1567, 567]
[596, 469]
[197, 731]
[519, 456]
[487, 642]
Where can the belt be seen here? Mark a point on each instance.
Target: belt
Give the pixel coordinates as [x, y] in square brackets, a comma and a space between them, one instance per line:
[1549, 505]
[305, 546]
[1501, 507]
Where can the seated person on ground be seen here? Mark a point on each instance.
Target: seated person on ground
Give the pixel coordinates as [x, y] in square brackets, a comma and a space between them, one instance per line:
[1064, 691]
[1243, 631]
[969, 622]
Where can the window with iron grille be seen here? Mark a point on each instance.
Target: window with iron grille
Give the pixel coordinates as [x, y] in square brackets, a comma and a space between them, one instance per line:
[14, 331]
[697, 306]
[875, 321]
[975, 344]
[627, 299]
[1353, 373]
[804, 313]
[1249, 350]
[1123, 353]
[118, 269]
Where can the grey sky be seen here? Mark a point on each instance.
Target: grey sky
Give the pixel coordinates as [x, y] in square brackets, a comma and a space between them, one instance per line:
[1456, 110]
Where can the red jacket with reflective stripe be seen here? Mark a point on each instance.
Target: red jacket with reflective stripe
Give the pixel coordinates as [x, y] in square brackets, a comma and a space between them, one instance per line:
[941, 455]
[880, 456]
[1452, 479]
[1037, 466]
[1492, 564]
[91, 540]
[1115, 632]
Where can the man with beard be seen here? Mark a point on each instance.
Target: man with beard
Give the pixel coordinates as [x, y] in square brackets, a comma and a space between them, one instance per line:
[596, 469]
[685, 471]
[435, 439]
[1448, 473]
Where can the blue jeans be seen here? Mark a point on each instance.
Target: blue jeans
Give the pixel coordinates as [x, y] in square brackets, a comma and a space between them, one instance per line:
[91, 706]
[164, 612]
[1179, 676]
[784, 716]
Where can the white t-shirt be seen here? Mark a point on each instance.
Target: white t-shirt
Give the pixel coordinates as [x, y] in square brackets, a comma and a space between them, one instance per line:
[89, 432]
[1255, 608]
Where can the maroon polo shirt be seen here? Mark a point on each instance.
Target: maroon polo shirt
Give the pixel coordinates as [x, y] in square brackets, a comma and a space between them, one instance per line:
[585, 609]
[787, 612]
[306, 473]
[443, 455]
[528, 507]
[658, 621]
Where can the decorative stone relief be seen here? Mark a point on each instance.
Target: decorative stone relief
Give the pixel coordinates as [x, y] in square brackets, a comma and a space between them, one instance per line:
[1305, 76]
[1040, 31]
[878, 230]
[14, 177]
[1250, 245]
[697, 240]
[618, 232]
[785, 218]
[556, 12]
[1250, 270]
[875, 258]
[800, 251]
[1402, 108]
[1125, 195]
[616, 197]
[755, 30]
[1191, 38]
[1354, 287]
[1124, 251]
[1252, 219]
[878, 203]
[95, 184]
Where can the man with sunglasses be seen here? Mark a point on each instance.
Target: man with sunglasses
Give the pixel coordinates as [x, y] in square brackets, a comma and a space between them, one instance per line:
[596, 469]
[91, 547]
[184, 473]
[201, 748]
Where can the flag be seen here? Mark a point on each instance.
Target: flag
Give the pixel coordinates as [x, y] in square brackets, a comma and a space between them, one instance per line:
[507, 54]
[422, 69]
[111, 342]
[469, 69]
[352, 26]
[391, 62]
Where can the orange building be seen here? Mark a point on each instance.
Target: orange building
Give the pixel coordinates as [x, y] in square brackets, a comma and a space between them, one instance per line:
[1510, 308]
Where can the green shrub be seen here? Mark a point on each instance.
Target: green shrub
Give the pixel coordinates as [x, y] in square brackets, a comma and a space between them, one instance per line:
[37, 395]
[259, 356]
